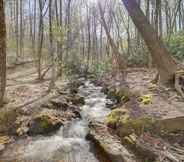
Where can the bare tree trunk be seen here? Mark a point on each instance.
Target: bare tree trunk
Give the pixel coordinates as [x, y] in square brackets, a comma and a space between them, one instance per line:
[2, 53]
[89, 37]
[117, 58]
[21, 28]
[17, 30]
[40, 38]
[51, 48]
[68, 25]
[166, 65]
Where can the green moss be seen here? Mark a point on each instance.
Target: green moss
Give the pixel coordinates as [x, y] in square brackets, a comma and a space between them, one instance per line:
[44, 122]
[116, 116]
[146, 99]
[120, 119]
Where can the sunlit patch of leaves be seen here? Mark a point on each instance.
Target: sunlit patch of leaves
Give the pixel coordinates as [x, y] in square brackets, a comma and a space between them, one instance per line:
[176, 45]
[146, 99]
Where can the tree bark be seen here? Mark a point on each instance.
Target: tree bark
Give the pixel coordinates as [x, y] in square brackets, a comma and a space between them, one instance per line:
[2, 53]
[165, 64]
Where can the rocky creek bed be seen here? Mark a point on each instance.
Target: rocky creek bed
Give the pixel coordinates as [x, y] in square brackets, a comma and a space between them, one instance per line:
[58, 132]
[88, 123]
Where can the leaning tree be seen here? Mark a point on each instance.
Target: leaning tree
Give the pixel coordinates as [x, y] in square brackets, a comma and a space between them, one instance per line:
[164, 62]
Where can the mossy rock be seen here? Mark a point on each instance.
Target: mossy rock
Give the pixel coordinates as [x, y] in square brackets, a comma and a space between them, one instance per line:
[125, 125]
[116, 116]
[44, 124]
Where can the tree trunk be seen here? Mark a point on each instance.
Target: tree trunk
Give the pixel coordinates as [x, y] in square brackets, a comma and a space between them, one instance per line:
[17, 30]
[2, 53]
[166, 65]
[117, 58]
[51, 48]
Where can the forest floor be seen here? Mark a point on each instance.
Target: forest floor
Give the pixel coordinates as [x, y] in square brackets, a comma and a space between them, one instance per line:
[25, 93]
[146, 101]
[22, 88]
[165, 102]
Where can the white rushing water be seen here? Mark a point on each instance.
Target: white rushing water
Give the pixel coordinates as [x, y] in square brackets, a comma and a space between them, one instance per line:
[69, 143]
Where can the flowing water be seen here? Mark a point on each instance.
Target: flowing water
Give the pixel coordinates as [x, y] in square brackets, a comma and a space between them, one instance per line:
[69, 143]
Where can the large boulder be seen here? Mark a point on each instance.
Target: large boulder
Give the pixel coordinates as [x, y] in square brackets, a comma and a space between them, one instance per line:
[44, 123]
[125, 125]
[116, 116]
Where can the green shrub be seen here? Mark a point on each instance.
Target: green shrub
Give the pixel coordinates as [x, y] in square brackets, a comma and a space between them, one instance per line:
[176, 45]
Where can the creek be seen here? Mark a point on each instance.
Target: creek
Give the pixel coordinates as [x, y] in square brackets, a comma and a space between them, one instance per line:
[69, 144]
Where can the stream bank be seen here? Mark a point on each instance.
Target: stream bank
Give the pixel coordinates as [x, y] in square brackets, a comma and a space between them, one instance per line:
[148, 119]
[103, 127]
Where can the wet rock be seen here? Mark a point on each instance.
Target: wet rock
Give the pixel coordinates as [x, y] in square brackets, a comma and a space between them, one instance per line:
[76, 100]
[73, 90]
[45, 123]
[105, 90]
[109, 143]
[75, 84]
[76, 110]
[110, 104]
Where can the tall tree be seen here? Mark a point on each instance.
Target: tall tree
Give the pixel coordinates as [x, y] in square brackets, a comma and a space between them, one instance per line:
[117, 58]
[166, 65]
[2, 53]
